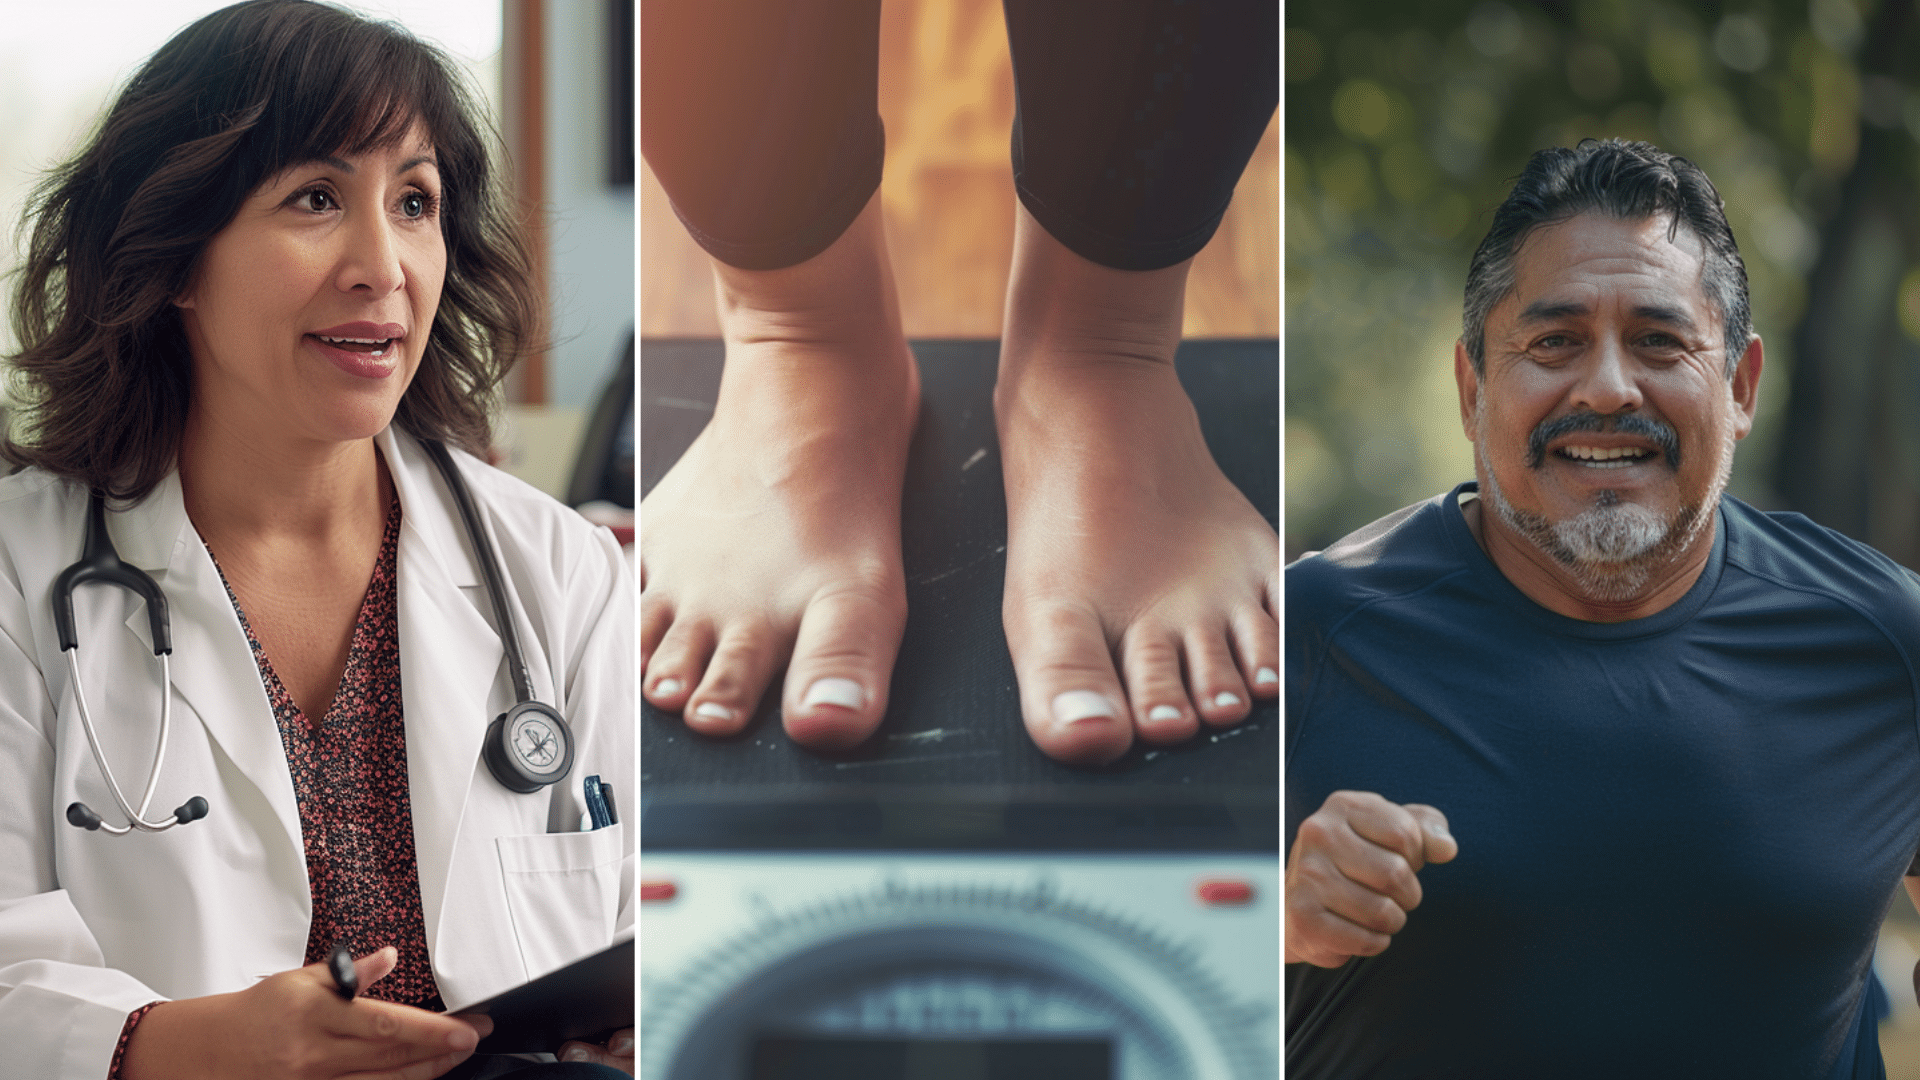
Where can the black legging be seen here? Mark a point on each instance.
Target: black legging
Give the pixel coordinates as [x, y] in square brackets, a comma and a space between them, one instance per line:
[1134, 119]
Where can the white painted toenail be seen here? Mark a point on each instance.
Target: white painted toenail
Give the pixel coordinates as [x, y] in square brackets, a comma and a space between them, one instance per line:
[1223, 699]
[1077, 705]
[842, 692]
[1163, 712]
[1264, 677]
[667, 687]
[713, 710]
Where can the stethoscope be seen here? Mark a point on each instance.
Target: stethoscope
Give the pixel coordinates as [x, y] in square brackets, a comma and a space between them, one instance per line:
[526, 748]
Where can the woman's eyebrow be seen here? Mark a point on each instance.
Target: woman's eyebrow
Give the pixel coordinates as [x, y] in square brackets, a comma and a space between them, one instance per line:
[346, 167]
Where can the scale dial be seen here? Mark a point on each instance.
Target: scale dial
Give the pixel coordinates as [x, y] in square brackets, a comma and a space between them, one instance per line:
[909, 964]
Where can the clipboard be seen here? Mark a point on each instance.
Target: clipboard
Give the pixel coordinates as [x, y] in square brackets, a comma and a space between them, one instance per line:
[585, 1000]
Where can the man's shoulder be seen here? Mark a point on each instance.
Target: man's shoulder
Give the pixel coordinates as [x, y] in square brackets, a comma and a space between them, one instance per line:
[1403, 552]
[1793, 551]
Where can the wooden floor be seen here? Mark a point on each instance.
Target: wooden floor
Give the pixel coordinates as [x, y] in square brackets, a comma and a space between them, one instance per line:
[946, 96]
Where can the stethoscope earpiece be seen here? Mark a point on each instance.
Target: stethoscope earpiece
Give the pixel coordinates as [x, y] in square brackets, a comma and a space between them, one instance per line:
[82, 815]
[100, 562]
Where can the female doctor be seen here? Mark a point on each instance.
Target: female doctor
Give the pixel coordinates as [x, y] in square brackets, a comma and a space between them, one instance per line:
[275, 272]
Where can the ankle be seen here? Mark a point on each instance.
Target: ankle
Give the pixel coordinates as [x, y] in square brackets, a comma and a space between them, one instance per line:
[1066, 311]
[842, 300]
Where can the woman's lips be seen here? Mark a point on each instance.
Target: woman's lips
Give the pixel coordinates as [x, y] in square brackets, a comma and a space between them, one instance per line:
[363, 329]
[365, 365]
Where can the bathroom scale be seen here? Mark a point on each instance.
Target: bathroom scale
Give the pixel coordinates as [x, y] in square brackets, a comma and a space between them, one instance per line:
[945, 900]
[953, 721]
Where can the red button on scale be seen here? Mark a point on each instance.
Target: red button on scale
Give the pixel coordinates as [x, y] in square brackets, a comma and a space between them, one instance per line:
[1221, 892]
[656, 892]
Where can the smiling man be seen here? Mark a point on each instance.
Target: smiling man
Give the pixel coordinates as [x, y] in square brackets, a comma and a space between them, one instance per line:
[1675, 736]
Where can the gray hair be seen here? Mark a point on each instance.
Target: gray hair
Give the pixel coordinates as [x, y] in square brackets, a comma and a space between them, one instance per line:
[1630, 181]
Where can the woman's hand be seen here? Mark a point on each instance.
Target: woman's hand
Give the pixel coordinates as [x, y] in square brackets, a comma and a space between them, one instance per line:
[295, 1026]
[618, 1053]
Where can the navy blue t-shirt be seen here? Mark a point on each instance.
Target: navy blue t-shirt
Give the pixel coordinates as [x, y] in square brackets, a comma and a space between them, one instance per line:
[1678, 835]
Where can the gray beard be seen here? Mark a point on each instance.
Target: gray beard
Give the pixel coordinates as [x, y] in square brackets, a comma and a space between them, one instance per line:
[1613, 548]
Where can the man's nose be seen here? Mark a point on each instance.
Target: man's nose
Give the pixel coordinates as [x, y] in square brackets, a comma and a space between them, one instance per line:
[370, 261]
[1607, 381]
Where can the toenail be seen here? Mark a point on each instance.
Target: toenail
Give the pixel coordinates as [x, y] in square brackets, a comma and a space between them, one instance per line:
[842, 692]
[1077, 705]
[1265, 677]
[1163, 712]
[1224, 699]
[667, 687]
[713, 710]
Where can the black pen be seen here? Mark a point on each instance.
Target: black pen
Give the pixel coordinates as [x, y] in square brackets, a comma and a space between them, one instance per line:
[346, 981]
[599, 799]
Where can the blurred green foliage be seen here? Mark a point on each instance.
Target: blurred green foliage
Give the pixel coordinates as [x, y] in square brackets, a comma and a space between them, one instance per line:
[1406, 121]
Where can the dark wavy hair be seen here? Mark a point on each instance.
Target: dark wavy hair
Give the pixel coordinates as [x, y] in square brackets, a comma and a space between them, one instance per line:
[103, 375]
[1630, 181]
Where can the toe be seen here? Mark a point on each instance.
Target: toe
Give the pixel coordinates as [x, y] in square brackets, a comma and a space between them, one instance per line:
[675, 667]
[836, 690]
[736, 678]
[656, 617]
[1219, 693]
[1150, 659]
[1256, 644]
[1070, 696]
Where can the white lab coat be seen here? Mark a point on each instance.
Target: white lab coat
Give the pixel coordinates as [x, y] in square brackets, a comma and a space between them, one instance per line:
[93, 926]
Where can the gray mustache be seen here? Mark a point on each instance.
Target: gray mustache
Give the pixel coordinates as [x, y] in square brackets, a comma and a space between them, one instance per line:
[1625, 423]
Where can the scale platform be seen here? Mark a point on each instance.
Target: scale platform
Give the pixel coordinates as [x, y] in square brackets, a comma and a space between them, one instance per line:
[952, 736]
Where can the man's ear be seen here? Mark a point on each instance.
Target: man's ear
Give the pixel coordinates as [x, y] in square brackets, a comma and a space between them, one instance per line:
[1745, 386]
[1469, 384]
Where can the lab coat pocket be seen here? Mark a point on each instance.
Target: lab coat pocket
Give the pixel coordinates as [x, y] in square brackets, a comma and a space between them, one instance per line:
[563, 892]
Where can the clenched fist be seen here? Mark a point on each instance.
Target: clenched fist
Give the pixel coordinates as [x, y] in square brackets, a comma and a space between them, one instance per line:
[1352, 876]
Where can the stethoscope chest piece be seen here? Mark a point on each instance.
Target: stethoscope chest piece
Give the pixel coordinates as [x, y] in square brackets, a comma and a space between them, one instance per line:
[528, 747]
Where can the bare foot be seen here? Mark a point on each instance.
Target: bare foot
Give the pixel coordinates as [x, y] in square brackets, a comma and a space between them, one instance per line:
[1125, 543]
[776, 538]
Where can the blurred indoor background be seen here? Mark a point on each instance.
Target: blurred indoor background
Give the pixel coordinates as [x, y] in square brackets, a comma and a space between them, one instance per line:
[557, 76]
[946, 97]
[1405, 123]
